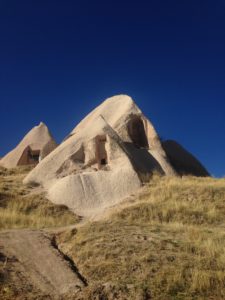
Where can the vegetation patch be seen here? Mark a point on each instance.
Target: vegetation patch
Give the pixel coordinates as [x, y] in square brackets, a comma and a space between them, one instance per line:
[168, 244]
[22, 207]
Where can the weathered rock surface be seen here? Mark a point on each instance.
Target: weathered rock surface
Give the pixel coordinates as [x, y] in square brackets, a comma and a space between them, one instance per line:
[183, 161]
[105, 158]
[37, 144]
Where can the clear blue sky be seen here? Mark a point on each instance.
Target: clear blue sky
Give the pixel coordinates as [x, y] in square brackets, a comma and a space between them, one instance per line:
[59, 59]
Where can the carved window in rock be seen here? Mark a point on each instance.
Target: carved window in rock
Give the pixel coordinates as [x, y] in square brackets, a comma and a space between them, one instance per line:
[33, 156]
[29, 157]
[137, 132]
[100, 151]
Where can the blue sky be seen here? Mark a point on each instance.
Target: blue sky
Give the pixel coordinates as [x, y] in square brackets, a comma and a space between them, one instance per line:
[59, 59]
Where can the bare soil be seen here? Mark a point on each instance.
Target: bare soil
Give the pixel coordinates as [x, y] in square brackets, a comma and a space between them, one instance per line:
[32, 257]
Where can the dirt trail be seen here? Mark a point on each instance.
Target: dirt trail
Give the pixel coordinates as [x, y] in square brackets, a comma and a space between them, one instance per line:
[44, 266]
[35, 257]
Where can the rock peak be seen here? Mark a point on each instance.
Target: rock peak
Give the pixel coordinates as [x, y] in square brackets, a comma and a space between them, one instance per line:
[30, 149]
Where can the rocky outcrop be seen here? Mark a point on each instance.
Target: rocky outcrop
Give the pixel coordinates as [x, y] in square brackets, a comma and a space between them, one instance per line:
[105, 158]
[183, 161]
[34, 146]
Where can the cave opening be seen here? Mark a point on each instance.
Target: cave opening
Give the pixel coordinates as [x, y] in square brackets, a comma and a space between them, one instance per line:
[101, 153]
[137, 133]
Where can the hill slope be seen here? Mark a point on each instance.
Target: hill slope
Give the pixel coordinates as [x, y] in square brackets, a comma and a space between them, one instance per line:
[23, 207]
[166, 242]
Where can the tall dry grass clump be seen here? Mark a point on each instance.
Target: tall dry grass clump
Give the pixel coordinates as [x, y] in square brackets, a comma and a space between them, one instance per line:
[21, 207]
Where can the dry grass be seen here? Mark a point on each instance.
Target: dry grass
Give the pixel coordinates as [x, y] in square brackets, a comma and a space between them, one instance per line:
[168, 244]
[20, 208]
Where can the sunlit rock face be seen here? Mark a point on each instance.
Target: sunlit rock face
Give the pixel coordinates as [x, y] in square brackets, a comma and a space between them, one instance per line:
[36, 145]
[105, 158]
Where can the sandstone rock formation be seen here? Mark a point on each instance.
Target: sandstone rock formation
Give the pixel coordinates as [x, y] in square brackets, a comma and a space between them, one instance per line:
[105, 158]
[183, 162]
[37, 144]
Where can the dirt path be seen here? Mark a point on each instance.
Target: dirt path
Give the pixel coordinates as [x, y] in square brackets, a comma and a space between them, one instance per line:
[38, 259]
[37, 265]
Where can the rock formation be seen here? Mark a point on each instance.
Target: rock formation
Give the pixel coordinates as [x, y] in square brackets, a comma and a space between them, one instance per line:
[183, 162]
[37, 144]
[105, 158]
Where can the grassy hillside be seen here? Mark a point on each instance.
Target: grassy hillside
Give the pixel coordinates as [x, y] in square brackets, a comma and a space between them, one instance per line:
[20, 207]
[168, 244]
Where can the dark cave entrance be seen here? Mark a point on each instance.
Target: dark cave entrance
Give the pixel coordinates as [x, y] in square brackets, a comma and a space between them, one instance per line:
[34, 156]
[137, 133]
